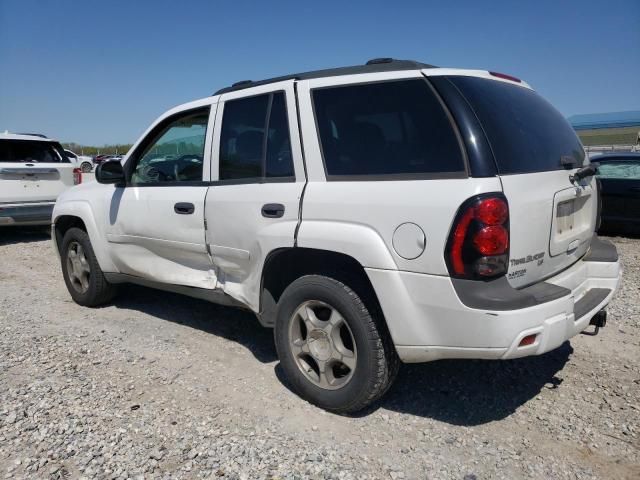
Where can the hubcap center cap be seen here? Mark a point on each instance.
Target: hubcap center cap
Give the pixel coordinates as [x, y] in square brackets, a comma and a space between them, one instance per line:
[319, 345]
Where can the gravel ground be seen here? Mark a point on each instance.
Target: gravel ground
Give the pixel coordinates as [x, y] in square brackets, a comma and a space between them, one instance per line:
[162, 386]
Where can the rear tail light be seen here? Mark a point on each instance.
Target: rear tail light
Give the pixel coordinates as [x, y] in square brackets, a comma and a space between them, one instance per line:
[77, 176]
[478, 246]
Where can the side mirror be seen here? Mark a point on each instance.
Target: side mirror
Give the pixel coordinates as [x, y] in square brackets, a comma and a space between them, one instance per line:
[111, 172]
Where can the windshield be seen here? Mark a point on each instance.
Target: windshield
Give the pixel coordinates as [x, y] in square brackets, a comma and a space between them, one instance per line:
[31, 151]
[526, 133]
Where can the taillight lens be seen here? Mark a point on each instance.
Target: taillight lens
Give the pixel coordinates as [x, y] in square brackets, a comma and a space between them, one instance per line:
[492, 240]
[77, 176]
[478, 245]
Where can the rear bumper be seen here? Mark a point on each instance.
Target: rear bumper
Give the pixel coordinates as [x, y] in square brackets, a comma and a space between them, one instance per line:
[431, 318]
[26, 213]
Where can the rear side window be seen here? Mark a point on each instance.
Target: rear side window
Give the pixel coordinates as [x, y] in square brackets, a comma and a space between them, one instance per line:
[254, 142]
[396, 128]
[527, 134]
[628, 170]
[30, 151]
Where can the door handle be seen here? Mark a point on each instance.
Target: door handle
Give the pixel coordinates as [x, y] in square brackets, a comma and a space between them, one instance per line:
[273, 210]
[184, 208]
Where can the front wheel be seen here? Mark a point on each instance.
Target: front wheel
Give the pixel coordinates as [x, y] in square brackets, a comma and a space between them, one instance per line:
[333, 351]
[86, 167]
[82, 273]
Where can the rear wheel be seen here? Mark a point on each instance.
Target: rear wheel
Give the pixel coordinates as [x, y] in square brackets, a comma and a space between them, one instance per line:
[82, 274]
[334, 352]
[86, 167]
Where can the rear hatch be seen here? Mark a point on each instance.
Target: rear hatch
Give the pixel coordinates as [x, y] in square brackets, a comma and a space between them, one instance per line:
[552, 220]
[33, 171]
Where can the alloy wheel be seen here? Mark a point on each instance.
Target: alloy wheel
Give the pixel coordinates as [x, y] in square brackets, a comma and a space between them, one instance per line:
[78, 267]
[322, 344]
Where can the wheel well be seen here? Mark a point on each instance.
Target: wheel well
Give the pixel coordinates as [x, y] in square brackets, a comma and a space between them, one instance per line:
[63, 224]
[284, 266]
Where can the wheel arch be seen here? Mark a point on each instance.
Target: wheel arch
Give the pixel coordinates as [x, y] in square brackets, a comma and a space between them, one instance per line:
[78, 214]
[283, 266]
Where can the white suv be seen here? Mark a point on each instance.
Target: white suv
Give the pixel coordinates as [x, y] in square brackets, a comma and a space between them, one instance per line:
[371, 214]
[34, 170]
[84, 162]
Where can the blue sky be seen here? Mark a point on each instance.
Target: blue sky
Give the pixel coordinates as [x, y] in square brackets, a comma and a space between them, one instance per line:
[98, 72]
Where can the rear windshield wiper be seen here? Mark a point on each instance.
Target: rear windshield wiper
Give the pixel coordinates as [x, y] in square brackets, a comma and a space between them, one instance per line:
[588, 171]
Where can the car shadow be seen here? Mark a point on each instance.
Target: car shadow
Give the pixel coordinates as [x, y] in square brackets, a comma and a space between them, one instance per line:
[473, 392]
[13, 235]
[468, 392]
[458, 392]
[234, 324]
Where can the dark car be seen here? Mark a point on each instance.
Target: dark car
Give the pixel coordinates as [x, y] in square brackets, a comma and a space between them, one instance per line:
[619, 175]
[98, 159]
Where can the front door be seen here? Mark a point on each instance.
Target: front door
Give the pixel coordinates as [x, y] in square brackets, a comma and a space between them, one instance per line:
[155, 225]
[253, 205]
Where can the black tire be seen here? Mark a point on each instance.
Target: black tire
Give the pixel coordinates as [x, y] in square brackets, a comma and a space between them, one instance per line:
[376, 362]
[86, 167]
[99, 291]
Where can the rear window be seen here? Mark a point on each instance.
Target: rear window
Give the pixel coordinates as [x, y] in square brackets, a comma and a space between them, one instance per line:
[396, 128]
[526, 133]
[628, 170]
[31, 151]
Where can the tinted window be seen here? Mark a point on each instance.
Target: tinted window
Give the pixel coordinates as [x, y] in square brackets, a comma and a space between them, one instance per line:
[385, 128]
[629, 170]
[70, 154]
[526, 133]
[30, 151]
[175, 152]
[279, 161]
[244, 150]
[242, 137]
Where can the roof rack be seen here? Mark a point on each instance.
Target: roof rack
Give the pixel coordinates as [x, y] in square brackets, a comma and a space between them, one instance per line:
[33, 135]
[384, 64]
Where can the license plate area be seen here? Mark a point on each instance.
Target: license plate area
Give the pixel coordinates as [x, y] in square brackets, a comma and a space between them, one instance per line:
[564, 217]
[573, 220]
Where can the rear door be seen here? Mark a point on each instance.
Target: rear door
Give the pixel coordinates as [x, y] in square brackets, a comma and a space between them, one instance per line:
[33, 171]
[253, 204]
[552, 219]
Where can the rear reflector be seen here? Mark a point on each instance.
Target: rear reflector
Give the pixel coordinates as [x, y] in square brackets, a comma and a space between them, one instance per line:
[504, 76]
[528, 340]
[77, 176]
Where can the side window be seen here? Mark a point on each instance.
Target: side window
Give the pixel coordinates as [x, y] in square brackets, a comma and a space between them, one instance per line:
[628, 170]
[279, 161]
[175, 152]
[254, 140]
[70, 154]
[386, 128]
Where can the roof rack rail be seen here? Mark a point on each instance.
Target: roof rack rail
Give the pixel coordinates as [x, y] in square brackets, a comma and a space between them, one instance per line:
[33, 135]
[374, 65]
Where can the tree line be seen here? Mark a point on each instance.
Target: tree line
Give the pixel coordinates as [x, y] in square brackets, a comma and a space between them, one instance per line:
[119, 149]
